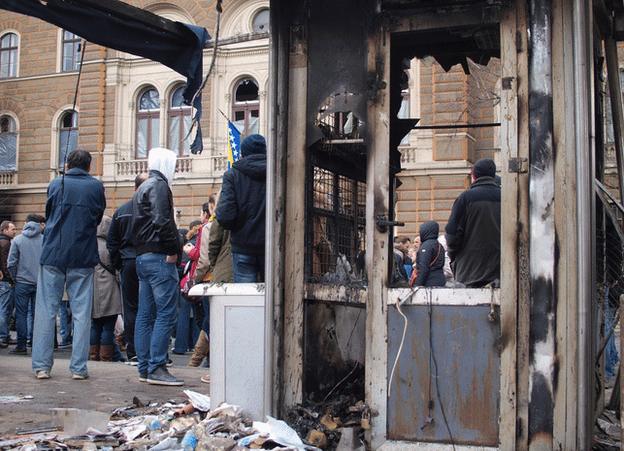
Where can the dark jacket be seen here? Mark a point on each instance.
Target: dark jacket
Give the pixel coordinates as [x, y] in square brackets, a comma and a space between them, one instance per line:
[119, 239]
[153, 221]
[430, 257]
[242, 204]
[106, 289]
[5, 247]
[220, 254]
[73, 212]
[473, 234]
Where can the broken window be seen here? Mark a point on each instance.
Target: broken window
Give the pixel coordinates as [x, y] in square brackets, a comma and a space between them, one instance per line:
[336, 229]
[68, 136]
[148, 122]
[179, 123]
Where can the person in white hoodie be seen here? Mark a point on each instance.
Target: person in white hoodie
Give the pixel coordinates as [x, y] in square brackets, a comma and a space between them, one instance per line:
[156, 241]
[23, 264]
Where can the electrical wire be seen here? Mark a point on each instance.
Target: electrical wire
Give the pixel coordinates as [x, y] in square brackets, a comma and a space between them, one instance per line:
[215, 46]
[405, 323]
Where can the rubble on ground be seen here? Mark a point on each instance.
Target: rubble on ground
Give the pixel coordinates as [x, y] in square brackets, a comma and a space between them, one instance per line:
[163, 427]
[607, 432]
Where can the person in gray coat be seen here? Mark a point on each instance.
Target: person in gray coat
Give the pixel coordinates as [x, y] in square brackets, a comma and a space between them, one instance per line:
[106, 300]
[23, 265]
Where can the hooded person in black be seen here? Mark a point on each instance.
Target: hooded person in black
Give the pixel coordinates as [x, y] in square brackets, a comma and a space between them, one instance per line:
[473, 229]
[242, 208]
[430, 257]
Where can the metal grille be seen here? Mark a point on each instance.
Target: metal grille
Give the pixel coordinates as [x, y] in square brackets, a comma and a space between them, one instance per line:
[336, 228]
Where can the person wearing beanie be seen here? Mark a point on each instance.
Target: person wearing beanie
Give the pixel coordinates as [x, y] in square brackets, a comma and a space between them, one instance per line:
[157, 246]
[473, 229]
[241, 210]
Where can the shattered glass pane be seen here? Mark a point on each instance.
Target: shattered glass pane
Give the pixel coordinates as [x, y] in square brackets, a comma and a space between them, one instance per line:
[8, 151]
[149, 101]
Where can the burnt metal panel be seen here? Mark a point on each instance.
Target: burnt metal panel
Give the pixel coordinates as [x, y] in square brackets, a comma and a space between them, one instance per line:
[465, 343]
[334, 348]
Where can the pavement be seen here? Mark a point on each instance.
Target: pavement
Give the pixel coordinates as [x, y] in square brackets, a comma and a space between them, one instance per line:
[110, 385]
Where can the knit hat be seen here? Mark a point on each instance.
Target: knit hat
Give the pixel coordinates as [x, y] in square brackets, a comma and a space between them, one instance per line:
[484, 168]
[252, 145]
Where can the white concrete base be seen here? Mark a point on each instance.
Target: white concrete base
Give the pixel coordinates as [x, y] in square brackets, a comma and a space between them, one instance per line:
[395, 445]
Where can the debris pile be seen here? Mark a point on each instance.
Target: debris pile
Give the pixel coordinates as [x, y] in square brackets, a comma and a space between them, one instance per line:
[166, 426]
[337, 424]
[608, 432]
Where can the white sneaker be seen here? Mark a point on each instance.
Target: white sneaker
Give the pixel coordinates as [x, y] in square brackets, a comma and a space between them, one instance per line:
[43, 374]
[79, 377]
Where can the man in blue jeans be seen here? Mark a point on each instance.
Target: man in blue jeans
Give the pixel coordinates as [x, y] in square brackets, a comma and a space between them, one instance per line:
[157, 246]
[7, 232]
[74, 209]
[241, 209]
[23, 264]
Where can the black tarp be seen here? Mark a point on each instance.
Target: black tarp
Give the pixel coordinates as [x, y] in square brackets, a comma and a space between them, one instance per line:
[117, 25]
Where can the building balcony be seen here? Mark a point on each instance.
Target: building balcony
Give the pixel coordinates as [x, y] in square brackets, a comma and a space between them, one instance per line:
[186, 167]
[8, 179]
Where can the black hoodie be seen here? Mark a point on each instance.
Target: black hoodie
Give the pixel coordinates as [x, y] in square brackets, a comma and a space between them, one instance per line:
[430, 257]
[242, 204]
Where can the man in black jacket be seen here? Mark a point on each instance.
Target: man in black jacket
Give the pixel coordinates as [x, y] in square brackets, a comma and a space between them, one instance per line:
[123, 256]
[156, 242]
[242, 207]
[7, 233]
[473, 229]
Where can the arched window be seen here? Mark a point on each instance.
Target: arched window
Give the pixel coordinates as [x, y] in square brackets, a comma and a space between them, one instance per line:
[179, 115]
[8, 144]
[68, 136]
[8, 55]
[246, 107]
[147, 122]
[260, 22]
[71, 51]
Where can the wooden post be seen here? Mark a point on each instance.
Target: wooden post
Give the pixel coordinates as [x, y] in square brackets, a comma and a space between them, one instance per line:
[377, 243]
[509, 229]
[295, 221]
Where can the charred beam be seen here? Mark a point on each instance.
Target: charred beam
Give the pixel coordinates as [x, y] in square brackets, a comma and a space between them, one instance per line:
[541, 228]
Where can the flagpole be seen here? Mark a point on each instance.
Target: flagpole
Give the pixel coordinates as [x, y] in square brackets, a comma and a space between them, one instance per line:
[223, 114]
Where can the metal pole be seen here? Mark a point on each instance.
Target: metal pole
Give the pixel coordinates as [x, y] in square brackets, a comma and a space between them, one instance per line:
[581, 17]
[542, 264]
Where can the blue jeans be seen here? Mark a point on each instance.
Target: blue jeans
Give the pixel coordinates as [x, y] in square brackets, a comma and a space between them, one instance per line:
[186, 329]
[24, 298]
[65, 324]
[156, 317]
[50, 286]
[247, 268]
[6, 308]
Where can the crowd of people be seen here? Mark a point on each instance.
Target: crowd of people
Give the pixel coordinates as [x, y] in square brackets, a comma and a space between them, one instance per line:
[468, 254]
[122, 282]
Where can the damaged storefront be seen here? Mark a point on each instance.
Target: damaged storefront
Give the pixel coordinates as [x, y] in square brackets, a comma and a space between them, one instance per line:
[508, 366]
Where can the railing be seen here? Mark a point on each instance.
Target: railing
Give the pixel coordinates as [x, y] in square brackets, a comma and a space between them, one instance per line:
[7, 179]
[196, 167]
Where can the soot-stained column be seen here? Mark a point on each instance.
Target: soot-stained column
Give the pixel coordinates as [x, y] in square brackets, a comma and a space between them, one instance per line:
[542, 228]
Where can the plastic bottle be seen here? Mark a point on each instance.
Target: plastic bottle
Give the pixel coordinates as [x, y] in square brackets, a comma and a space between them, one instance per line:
[189, 442]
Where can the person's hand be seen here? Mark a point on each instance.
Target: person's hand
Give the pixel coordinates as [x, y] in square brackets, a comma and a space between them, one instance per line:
[171, 259]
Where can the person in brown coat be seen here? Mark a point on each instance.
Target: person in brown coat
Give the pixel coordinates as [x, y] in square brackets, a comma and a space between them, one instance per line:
[106, 300]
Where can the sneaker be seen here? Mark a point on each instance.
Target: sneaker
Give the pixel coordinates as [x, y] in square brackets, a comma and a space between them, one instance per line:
[169, 363]
[18, 351]
[142, 377]
[29, 344]
[64, 346]
[162, 377]
[42, 374]
[132, 361]
[4, 344]
[79, 377]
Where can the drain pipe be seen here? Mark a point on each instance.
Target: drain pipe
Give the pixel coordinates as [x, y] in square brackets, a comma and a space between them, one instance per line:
[542, 264]
[582, 61]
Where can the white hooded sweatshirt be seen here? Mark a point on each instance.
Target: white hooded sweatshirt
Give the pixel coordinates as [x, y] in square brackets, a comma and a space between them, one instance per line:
[164, 161]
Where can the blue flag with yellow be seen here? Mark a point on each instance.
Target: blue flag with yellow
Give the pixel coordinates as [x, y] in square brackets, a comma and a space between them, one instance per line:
[234, 141]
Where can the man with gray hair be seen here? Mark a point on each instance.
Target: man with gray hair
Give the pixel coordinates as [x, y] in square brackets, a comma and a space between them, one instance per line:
[157, 246]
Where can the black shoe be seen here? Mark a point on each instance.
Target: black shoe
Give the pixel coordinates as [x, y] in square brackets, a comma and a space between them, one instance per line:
[18, 351]
[4, 344]
[142, 377]
[162, 377]
[29, 344]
